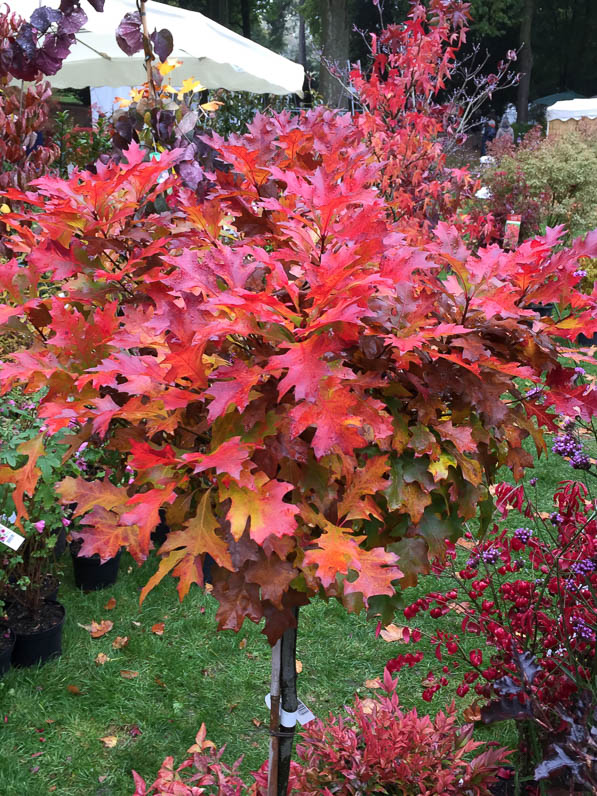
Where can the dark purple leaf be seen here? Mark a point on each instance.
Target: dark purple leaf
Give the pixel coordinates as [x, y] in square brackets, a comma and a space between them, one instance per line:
[559, 760]
[53, 52]
[27, 40]
[66, 6]
[43, 17]
[506, 686]
[18, 65]
[129, 35]
[73, 22]
[505, 709]
[527, 664]
[163, 43]
[97, 4]
[191, 173]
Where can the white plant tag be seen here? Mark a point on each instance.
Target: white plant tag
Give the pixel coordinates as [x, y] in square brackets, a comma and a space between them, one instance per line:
[303, 715]
[10, 538]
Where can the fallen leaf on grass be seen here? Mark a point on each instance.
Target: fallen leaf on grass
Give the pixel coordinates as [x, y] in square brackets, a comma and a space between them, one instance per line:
[242, 643]
[159, 682]
[109, 741]
[97, 630]
[158, 628]
[472, 713]
[256, 722]
[376, 683]
[102, 778]
[128, 674]
[74, 689]
[137, 624]
[395, 633]
[134, 731]
[232, 706]
[101, 659]
[299, 666]
[367, 705]
[110, 604]
[120, 642]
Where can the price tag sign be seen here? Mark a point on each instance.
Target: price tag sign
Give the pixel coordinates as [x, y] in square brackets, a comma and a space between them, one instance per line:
[10, 538]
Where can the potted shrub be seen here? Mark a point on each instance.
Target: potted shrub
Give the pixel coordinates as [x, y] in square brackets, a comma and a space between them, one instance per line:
[30, 465]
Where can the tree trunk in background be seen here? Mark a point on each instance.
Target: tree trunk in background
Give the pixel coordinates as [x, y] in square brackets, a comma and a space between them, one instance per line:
[334, 34]
[245, 10]
[302, 43]
[525, 60]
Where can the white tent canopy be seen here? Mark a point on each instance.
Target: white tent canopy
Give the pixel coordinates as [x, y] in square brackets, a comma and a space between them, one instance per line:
[209, 52]
[572, 109]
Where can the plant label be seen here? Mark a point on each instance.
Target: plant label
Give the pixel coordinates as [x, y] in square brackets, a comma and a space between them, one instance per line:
[302, 714]
[10, 538]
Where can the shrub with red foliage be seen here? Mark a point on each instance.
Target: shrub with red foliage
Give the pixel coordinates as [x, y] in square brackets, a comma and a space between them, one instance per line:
[376, 747]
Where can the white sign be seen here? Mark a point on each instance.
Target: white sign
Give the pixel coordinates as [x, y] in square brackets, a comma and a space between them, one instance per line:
[10, 538]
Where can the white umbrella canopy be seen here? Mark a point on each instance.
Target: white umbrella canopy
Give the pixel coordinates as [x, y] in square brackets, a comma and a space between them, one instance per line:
[209, 52]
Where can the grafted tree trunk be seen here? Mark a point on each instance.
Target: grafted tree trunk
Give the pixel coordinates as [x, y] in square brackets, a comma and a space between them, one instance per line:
[283, 698]
[334, 29]
[525, 60]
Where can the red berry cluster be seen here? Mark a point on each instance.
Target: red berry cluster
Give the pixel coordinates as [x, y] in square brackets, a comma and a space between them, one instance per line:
[523, 590]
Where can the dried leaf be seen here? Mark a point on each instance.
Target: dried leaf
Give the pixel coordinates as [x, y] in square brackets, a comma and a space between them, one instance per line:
[159, 682]
[97, 630]
[368, 705]
[110, 604]
[299, 666]
[158, 628]
[120, 642]
[102, 778]
[472, 713]
[395, 633]
[242, 644]
[128, 674]
[257, 722]
[101, 659]
[376, 683]
[109, 741]
[74, 689]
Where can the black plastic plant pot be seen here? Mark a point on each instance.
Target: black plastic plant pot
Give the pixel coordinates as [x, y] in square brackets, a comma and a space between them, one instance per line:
[7, 642]
[91, 574]
[33, 646]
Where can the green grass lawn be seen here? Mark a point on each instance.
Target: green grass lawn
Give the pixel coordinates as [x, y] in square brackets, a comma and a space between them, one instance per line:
[51, 737]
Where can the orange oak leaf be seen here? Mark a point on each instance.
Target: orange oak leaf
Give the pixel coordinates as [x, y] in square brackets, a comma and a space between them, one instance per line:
[110, 605]
[120, 642]
[376, 572]
[366, 481]
[158, 628]
[90, 494]
[183, 551]
[229, 457]
[263, 506]
[337, 551]
[25, 478]
[273, 575]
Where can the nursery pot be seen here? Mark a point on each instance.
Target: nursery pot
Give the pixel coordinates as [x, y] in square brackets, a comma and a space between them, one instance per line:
[39, 636]
[60, 545]
[7, 642]
[91, 574]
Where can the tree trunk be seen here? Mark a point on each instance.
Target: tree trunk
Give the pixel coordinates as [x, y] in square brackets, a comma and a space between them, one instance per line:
[224, 13]
[526, 62]
[289, 701]
[302, 43]
[334, 29]
[284, 701]
[245, 10]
